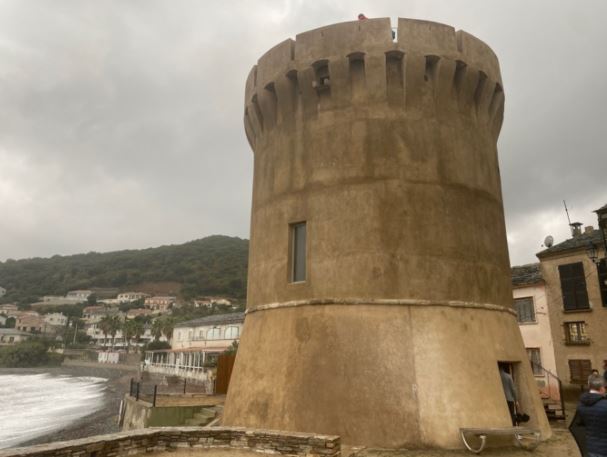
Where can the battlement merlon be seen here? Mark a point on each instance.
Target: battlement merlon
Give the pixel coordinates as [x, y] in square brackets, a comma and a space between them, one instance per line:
[371, 36]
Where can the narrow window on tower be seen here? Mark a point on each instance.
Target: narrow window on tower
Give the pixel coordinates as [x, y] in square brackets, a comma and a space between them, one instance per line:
[298, 252]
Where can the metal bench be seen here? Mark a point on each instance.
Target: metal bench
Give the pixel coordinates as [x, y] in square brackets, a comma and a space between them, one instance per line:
[516, 432]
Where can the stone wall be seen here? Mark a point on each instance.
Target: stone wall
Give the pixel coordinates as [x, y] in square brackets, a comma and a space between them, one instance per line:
[172, 438]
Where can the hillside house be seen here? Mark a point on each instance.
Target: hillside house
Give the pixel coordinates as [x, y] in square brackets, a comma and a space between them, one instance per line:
[127, 297]
[8, 308]
[11, 336]
[2, 291]
[138, 312]
[33, 323]
[160, 304]
[78, 295]
[56, 319]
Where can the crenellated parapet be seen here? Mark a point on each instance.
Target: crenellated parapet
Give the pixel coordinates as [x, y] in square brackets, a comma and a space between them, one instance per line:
[427, 69]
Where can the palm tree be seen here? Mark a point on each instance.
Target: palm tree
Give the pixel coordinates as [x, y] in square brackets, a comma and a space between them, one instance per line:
[115, 325]
[105, 325]
[138, 330]
[128, 331]
[168, 323]
[157, 329]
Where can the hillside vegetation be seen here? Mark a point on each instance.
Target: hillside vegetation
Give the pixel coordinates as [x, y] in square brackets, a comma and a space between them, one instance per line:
[216, 265]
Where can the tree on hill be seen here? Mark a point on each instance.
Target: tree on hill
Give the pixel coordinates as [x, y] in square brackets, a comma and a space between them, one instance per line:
[157, 329]
[216, 265]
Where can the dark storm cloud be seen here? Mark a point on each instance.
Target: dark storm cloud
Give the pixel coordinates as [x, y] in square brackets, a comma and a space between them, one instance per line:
[121, 121]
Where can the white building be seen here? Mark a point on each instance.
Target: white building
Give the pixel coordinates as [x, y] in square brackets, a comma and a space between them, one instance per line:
[530, 304]
[196, 345]
[56, 319]
[209, 302]
[78, 295]
[119, 342]
[10, 336]
[160, 303]
[126, 297]
[2, 291]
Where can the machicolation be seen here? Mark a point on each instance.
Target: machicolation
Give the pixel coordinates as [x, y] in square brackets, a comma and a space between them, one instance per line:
[429, 67]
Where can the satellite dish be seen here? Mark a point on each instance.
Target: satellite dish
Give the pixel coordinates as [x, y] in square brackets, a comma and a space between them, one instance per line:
[548, 241]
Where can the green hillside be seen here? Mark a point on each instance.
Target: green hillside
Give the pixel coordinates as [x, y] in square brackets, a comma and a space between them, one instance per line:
[216, 265]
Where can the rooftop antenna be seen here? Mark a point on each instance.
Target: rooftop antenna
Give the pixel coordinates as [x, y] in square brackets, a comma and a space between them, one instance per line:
[576, 227]
[567, 211]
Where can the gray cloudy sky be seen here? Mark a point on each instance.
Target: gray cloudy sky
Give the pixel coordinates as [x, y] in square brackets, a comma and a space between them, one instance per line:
[121, 121]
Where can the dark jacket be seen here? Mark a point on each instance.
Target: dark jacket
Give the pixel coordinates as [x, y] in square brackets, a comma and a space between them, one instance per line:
[591, 414]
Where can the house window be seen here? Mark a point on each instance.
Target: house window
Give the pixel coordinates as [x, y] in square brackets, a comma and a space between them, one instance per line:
[536, 361]
[525, 309]
[298, 252]
[214, 333]
[232, 333]
[602, 270]
[573, 286]
[575, 333]
[579, 371]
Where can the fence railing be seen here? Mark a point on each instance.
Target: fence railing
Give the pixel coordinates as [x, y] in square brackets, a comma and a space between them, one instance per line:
[147, 391]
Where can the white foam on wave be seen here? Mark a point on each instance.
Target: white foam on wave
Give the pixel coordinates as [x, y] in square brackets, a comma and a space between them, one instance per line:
[34, 405]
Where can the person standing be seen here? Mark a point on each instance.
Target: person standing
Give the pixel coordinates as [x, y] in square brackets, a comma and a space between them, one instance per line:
[593, 374]
[589, 425]
[509, 392]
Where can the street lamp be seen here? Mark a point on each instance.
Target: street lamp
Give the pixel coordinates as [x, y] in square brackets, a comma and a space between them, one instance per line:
[593, 253]
[601, 214]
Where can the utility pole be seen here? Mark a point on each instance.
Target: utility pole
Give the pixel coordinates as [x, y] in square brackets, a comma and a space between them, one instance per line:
[75, 332]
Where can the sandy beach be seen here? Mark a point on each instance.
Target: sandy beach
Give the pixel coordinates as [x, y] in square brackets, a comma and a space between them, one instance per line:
[100, 422]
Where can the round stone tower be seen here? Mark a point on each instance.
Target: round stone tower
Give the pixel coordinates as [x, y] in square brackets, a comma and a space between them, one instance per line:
[379, 294]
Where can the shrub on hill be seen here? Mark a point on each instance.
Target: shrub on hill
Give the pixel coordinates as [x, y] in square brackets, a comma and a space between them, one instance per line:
[28, 354]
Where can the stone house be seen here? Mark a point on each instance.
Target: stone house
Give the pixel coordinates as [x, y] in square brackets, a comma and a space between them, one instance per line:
[33, 323]
[576, 290]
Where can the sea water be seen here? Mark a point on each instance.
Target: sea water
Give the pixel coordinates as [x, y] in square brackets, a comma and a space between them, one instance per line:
[35, 405]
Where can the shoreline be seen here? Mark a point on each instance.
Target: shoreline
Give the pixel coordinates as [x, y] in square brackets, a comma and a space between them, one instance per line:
[100, 422]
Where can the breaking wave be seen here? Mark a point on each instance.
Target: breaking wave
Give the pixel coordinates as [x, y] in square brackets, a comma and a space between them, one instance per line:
[35, 405]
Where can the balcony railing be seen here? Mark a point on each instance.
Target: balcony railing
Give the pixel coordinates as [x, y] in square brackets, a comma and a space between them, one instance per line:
[577, 341]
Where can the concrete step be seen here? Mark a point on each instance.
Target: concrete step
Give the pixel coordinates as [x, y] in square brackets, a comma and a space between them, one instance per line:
[205, 414]
[195, 422]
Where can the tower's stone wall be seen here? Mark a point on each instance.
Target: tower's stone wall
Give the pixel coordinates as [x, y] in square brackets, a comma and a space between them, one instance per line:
[387, 149]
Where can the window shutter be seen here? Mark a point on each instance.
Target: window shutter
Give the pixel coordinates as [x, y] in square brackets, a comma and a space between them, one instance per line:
[575, 370]
[602, 269]
[573, 286]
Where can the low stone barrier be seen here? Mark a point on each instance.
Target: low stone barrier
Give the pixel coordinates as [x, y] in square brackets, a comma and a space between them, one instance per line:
[172, 438]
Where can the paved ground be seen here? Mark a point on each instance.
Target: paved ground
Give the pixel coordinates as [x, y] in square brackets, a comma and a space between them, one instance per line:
[560, 445]
[212, 452]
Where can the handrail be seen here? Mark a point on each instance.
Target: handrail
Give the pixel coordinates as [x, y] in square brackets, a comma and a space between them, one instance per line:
[556, 378]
